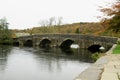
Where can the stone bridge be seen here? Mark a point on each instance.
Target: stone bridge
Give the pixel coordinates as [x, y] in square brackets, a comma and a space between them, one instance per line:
[65, 40]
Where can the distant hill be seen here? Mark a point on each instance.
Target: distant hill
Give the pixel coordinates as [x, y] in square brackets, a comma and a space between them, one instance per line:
[90, 28]
[81, 28]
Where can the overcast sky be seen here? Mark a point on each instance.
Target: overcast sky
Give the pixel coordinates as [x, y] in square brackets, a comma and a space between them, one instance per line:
[23, 14]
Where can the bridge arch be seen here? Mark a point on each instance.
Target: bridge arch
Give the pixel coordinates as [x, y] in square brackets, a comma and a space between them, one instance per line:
[28, 43]
[45, 42]
[94, 48]
[66, 43]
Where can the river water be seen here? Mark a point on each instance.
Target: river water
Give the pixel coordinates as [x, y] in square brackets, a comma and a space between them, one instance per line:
[22, 63]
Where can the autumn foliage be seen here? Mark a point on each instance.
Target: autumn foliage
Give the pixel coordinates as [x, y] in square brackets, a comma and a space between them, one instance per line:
[113, 16]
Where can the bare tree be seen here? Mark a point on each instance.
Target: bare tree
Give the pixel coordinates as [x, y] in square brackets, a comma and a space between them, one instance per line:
[59, 21]
[51, 22]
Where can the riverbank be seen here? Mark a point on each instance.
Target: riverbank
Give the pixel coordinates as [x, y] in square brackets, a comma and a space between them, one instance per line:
[112, 68]
[99, 71]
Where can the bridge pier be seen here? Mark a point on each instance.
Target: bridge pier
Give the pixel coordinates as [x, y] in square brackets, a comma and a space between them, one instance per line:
[21, 43]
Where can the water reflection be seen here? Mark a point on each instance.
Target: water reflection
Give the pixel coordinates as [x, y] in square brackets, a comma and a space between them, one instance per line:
[41, 64]
[67, 51]
[71, 54]
[4, 51]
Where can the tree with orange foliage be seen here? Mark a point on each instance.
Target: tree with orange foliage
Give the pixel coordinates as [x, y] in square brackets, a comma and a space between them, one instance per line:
[113, 14]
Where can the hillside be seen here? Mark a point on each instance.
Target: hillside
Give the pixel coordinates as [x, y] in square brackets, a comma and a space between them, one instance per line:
[79, 28]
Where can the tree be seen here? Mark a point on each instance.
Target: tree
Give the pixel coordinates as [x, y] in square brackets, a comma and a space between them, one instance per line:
[52, 21]
[3, 24]
[50, 24]
[77, 31]
[5, 34]
[113, 13]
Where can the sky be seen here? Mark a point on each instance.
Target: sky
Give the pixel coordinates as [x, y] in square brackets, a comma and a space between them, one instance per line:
[23, 14]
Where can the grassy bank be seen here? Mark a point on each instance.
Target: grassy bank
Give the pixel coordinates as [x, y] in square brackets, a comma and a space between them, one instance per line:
[117, 49]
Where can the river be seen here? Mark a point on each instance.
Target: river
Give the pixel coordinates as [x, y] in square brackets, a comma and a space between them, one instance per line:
[23, 63]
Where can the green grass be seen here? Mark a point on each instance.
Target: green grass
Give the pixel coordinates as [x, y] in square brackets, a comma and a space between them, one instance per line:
[117, 49]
